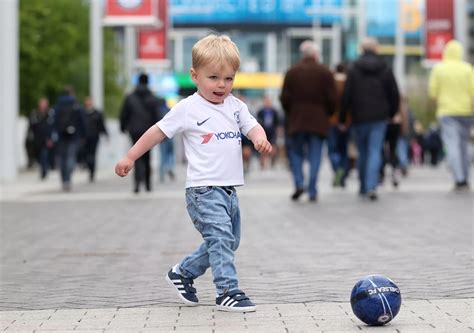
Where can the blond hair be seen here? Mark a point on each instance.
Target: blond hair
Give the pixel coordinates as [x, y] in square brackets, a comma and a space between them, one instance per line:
[215, 49]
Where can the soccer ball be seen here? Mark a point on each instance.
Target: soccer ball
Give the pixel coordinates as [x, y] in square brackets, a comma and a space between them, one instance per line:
[376, 300]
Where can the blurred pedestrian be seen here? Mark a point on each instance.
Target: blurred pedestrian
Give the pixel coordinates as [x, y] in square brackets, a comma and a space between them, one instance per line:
[308, 98]
[95, 127]
[434, 144]
[338, 139]
[268, 117]
[69, 127]
[418, 145]
[140, 110]
[389, 150]
[247, 145]
[451, 85]
[406, 133]
[211, 121]
[167, 155]
[41, 124]
[371, 96]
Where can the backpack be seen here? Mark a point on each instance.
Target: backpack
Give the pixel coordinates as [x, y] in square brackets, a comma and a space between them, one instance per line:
[67, 120]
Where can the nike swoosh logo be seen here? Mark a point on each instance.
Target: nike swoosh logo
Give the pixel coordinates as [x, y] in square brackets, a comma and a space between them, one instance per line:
[202, 122]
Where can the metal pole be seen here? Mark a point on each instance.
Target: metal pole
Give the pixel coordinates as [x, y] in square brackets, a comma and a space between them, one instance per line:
[271, 55]
[96, 54]
[399, 59]
[8, 89]
[361, 21]
[336, 45]
[460, 27]
[130, 55]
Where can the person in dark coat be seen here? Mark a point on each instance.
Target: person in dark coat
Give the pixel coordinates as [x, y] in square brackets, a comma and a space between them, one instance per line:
[95, 127]
[41, 128]
[308, 98]
[140, 110]
[69, 130]
[338, 140]
[372, 98]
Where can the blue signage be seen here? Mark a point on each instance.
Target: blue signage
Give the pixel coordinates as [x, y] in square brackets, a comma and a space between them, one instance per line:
[382, 17]
[286, 12]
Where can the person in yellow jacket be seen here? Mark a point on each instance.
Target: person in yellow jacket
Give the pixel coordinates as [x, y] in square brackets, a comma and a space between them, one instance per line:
[451, 85]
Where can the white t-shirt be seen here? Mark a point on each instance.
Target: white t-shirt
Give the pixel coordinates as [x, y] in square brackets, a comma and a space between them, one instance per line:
[211, 137]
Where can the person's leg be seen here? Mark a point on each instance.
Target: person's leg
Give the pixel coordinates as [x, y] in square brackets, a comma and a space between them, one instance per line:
[361, 138]
[402, 153]
[393, 138]
[296, 156]
[139, 170]
[90, 149]
[209, 208]
[147, 170]
[450, 134]
[342, 144]
[465, 123]
[315, 148]
[333, 151]
[171, 159]
[44, 162]
[375, 142]
[69, 162]
[62, 157]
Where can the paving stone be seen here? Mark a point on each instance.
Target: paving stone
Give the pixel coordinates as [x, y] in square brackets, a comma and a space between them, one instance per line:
[101, 260]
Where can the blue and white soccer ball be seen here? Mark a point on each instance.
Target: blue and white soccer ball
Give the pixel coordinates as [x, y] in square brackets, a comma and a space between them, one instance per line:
[376, 300]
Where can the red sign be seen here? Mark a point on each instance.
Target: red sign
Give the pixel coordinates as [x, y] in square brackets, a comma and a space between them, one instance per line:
[152, 42]
[439, 27]
[131, 12]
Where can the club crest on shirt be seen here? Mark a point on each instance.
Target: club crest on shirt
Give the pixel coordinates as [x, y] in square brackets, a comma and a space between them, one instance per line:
[237, 117]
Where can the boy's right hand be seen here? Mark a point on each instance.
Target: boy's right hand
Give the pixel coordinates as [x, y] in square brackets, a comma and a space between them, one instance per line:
[124, 166]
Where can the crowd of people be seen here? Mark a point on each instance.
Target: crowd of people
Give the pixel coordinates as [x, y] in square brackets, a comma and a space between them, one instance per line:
[67, 135]
[61, 136]
[355, 112]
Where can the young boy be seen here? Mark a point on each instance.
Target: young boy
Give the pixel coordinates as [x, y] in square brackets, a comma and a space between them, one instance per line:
[211, 122]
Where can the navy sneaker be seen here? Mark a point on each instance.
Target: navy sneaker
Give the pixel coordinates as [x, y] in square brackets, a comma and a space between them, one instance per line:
[184, 288]
[234, 301]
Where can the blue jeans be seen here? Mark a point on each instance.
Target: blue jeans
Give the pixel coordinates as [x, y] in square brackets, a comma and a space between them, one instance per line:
[67, 153]
[215, 213]
[455, 136]
[44, 161]
[167, 159]
[402, 152]
[337, 148]
[303, 145]
[370, 137]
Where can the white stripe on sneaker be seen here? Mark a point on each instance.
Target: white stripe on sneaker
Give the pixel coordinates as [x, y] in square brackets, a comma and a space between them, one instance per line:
[227, 299]
[233, 303]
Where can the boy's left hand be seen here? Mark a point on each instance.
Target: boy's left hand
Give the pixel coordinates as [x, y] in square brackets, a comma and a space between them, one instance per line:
[263, 146]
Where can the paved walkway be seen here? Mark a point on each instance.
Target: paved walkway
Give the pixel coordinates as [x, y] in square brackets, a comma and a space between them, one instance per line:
[95, 259]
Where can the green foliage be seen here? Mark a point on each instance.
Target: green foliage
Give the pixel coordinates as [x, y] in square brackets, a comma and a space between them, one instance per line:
[54, 51]
[113, 88]
[417, 95]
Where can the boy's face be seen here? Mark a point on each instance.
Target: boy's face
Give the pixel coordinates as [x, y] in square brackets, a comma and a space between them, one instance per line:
[214, 81]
